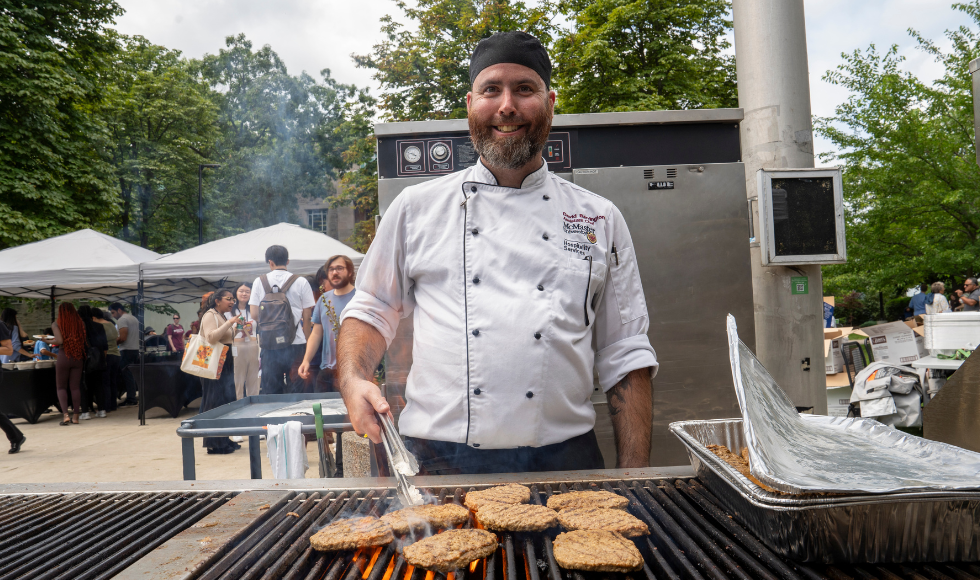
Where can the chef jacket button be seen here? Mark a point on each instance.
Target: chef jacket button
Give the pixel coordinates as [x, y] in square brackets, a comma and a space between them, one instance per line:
[544, 236]
[476, 332]
[546, 197]
[473, 189]
[476, 445]
[476, 280]
[477, 391]
[537, 335]
[476, 231]
[540, 287]
[529, 395]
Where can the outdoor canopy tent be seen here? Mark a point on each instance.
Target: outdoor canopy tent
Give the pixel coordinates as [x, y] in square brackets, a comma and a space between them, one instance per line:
[184, 276]
[82, 264]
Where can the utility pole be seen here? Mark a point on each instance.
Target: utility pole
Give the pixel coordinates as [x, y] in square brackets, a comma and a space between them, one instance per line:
[200, 200]
[774, 92]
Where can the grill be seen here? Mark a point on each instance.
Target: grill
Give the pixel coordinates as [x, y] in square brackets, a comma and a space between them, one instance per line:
[96, 535]
[691, 538]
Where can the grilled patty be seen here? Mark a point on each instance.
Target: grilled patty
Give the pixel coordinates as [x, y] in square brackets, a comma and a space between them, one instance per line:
[352, 534]
[596, 551]
[517, 517]
[510, 493]
[601, 499]
[587, 518]
[739, 462]
[451, 550]
[421, 517]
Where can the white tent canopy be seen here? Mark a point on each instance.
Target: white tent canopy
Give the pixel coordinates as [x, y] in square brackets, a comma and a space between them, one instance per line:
[82, 264]
[239, 258]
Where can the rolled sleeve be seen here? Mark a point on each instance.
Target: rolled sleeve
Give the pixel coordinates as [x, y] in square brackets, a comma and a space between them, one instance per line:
[384, 291]
[619, 359]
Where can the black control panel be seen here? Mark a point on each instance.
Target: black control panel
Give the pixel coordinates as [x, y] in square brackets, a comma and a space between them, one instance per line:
[567, 149]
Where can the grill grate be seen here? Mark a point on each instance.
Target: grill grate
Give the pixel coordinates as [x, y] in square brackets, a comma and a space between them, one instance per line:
[691, 538]
[91, 536]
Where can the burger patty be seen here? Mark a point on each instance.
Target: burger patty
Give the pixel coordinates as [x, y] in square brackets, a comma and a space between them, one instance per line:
[451, 550]
[352, 534]
[588, 518]
[596, 551]
[517, 517]
[740, 463]
[511, 493]
[418, 518]
[602, 499]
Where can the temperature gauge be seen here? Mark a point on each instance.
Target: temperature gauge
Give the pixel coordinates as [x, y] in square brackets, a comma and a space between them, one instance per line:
[439, 152]
[413, 154]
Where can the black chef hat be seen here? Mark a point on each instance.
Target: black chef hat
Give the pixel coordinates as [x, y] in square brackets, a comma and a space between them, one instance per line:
[511, 47]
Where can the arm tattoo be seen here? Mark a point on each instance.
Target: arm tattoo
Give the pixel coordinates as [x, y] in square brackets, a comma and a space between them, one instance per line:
[631, 411]
[359, 350]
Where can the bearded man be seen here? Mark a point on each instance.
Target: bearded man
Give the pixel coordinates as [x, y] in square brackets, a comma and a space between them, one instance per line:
[513, 312]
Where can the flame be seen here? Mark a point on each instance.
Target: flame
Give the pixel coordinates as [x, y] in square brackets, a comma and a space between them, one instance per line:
[391, 569]
[430, 575]
[374, 558]
[451, 576]
[473, 565]
[408, 571]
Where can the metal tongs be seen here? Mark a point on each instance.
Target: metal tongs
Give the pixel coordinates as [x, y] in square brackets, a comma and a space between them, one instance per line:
[401, 462]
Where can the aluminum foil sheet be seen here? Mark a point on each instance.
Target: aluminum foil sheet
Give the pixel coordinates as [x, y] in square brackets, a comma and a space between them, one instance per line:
[835, 454]
[918, 526]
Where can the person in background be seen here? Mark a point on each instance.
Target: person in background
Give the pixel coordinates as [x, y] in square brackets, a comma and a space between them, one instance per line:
[43, 350]
[970, 295]
[153, 340]
[175, 336]
[129, 348]
[69, 335]
[954, 303]
[917, 304]
[217, 328]
[936, 302]
[17, 337]
[111, 376]
[246, 346]
[13, 434]
[326, 316]
[93, 387]
[278, 363]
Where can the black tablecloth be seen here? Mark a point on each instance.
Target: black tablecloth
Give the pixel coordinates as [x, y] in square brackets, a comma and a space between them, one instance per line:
[166, 386]
[27, 394]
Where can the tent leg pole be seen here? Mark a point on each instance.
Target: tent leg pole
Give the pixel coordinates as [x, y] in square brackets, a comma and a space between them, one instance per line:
[52, 304]
[142, 318]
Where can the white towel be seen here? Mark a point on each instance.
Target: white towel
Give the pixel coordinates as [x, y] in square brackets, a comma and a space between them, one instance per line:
[287, 450]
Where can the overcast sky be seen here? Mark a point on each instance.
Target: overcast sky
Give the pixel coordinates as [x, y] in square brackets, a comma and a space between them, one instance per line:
[312, 35]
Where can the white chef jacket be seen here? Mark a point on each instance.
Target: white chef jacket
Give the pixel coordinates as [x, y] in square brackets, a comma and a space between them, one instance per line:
[509, 289]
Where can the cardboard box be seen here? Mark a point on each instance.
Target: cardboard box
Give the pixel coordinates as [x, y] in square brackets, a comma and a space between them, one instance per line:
[895, 343]
[838, 400]
[833, 358]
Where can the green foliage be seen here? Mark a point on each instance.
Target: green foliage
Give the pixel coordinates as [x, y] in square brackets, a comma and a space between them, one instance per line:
[52, 178]
[425, 74]
[852, 309]
[643, 55]
[895, 308]
[163, 123]
[911, 182]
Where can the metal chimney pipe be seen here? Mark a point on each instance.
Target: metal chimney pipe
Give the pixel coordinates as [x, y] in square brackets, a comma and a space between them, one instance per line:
[774, 92]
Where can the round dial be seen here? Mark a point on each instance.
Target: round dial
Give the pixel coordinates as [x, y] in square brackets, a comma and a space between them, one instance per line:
[413, 154]
[439, 152]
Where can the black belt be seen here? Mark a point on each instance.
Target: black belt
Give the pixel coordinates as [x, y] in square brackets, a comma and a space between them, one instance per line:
[446, 458]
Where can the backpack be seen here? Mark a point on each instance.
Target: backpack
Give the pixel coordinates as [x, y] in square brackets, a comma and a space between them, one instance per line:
[276, 325]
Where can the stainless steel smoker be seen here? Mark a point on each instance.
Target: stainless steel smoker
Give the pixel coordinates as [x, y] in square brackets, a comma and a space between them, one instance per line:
[678, 179]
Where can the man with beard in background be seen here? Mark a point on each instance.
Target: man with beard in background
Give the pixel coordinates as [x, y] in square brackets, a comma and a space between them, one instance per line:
[326, 314]
[520, 285]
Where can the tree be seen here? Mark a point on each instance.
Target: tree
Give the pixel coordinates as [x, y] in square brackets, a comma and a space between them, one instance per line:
[163, 123]
[911, 181]
[425, 74]
[52, 177]
[643, 55]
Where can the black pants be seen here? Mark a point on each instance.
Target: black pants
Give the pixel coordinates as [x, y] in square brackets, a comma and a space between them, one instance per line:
[445, 458]
[129, 357]
[111, 380]
[216, 393]
[280, 370]
[325, 382]
[13, 433]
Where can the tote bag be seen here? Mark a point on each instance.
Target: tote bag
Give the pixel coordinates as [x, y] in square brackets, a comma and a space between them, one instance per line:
[203, 359]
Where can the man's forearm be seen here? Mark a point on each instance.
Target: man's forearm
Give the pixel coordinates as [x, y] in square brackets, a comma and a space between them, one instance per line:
[359, 350]
[631, 410]
[313, 343]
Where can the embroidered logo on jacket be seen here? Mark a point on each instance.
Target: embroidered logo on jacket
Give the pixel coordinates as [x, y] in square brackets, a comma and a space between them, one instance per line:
[591, 237]
[579, 248]
[577, 228]
[582, 218]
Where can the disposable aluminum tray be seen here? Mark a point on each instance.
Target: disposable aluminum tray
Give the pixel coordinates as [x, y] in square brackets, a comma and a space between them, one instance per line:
[853, 528]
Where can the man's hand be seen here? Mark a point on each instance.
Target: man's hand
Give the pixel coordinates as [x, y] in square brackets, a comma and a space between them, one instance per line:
[631, 411]
[359, 350]
[304, 369]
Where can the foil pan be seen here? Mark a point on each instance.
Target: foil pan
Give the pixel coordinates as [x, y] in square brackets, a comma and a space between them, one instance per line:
[914, 526]
[836, 454]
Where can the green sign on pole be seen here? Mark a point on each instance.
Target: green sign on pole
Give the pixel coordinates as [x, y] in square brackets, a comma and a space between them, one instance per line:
[799, 285]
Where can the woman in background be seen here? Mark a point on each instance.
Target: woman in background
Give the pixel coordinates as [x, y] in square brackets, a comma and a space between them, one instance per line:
[246, 346]
[69, 334]
[97, 345]
[113, 361]
[936, 302]
[217, 330]
[17, 337]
